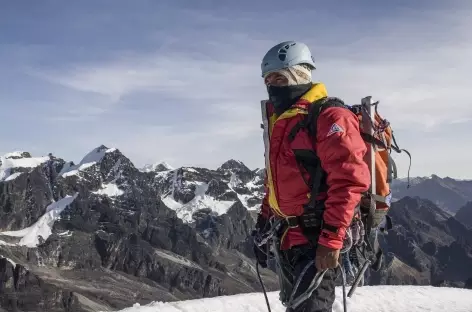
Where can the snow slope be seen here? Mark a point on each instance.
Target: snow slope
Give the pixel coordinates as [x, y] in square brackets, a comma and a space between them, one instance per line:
[92, 158]
[110, 190]
[200, 201]
[42, 227]
[365, 299]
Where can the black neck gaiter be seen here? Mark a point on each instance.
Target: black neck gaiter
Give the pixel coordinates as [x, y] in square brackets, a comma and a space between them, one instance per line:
[284, 97]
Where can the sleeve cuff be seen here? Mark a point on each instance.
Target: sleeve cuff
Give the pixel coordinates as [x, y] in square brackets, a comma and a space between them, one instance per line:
[332, 240]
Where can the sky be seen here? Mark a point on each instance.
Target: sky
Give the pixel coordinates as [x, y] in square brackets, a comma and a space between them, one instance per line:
[179, 81]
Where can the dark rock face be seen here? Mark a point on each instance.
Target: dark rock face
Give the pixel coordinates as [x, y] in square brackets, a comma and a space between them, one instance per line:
[464, 215]
[24, 291]
[228, 231]
[118, 238]
[427, 246]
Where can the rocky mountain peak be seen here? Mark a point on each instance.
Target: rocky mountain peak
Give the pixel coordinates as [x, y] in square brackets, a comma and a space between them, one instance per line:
[446, 193]
[17, 155]
[105, 220]
[157, 167]
[234, 165]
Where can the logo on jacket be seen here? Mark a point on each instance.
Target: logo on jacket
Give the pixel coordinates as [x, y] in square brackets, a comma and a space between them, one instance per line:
[335, 128]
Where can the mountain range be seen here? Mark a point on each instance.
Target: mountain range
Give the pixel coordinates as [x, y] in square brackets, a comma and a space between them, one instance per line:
[447, 193]
[102, 234]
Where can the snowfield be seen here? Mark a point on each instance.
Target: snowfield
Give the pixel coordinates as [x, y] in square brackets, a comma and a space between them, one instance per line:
[365, 299]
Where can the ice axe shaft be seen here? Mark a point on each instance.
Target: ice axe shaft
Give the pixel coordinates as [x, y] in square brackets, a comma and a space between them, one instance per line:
[358, 278]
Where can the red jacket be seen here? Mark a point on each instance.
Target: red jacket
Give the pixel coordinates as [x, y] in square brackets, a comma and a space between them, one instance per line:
[341, 150]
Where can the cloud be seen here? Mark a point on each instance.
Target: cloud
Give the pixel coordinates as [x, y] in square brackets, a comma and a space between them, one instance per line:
[190, 94]
[412, 65]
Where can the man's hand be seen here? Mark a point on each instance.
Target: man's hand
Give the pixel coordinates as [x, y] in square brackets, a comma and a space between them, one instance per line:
[261, 255]
[259, 251]
[326, 258]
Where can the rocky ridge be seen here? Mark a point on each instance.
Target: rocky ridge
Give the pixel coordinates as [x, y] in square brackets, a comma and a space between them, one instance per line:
[95, 232]
[102, 234]
[427, 246]
[447, 193]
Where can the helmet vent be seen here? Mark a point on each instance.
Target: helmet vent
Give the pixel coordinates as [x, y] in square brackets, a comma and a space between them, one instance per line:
[283, 51]
[282, 55]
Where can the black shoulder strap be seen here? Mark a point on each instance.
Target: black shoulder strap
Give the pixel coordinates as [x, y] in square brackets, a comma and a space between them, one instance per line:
[309, 121]
[308, 158]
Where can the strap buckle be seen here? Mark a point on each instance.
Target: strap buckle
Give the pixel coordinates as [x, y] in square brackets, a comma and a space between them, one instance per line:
[312, 220]
[292, 222]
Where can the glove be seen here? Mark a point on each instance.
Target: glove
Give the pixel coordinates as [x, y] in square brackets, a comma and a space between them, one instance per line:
[261, 254]
[260, 251]
[326, 258]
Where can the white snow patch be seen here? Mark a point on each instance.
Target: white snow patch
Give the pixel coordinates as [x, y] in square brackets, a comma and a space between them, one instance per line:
[153, 167]
[244, 198]
[200, 201]
[65, 233]
[110, 190]
[92, 158]
[13, 176]
[162, 174]
[177, 259]
[42, 227]
[253, 184]
[14, 154]
[234, 181]
[8, 163]
[365, 299]
[32, 162]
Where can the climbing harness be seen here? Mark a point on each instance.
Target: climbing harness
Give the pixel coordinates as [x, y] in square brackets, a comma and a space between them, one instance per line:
[294, 302]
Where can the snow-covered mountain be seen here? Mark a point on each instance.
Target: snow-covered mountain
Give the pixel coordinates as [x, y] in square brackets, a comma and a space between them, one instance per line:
[91, 233]
[365, 299]
[102, 234]
[157, 167]
[188, 190]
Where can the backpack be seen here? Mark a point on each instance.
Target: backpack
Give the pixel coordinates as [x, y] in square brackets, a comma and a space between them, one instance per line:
[378, 135]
